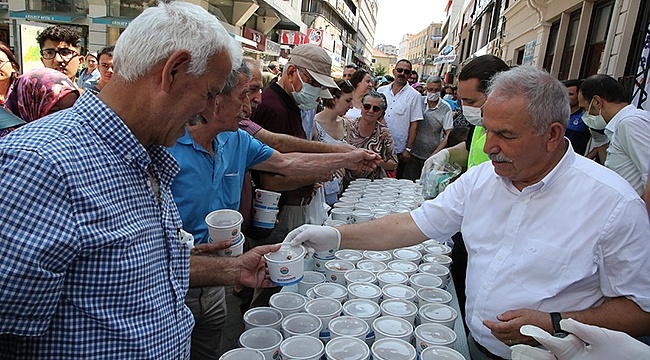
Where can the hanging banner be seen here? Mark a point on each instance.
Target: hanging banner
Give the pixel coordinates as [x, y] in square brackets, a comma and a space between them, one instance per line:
[642, 84]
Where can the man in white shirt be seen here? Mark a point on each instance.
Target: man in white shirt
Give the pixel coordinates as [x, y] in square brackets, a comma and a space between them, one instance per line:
[627, 128]
[403, 112]
[539, 249]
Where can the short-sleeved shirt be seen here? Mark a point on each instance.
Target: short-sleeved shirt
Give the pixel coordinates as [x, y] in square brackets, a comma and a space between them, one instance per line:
[380, 141]
[90, 265]
[597, 247]
[437, 120]
[404, 108]
[577, 132]
[628, 152]
[206, 183]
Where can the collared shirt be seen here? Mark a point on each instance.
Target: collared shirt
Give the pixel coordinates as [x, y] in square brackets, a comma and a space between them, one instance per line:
[628, 152]
[437, 120]
[544, 248]
[404, 108]
[207, 183]
[90, 265]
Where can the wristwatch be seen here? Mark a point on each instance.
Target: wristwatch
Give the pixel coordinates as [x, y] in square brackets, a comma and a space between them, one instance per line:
[557, 330]
[408, 149]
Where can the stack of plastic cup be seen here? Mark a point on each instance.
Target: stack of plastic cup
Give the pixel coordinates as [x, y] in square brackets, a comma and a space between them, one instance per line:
[225, 225]
[265, 209]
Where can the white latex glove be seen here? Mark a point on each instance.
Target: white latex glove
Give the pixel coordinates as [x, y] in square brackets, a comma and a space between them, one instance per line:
[439, 158]
[604, 344]
[315, 237]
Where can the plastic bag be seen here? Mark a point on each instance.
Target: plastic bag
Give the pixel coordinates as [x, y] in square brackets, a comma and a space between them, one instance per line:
[438, 178]
[317, 209]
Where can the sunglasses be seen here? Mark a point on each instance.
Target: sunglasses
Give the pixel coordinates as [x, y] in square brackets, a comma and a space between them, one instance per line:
[374, 108]
[402, 70]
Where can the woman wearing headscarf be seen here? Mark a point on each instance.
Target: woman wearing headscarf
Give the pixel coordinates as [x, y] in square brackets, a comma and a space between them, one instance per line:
[41, 92]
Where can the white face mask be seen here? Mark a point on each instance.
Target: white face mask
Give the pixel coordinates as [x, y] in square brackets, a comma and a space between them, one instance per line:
[449, 97]
[307, 98]
[433, 96]
[596, 122]
[473, 115]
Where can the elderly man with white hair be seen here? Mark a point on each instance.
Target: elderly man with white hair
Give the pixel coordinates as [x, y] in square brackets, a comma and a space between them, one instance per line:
[550, 234]
[93, 264]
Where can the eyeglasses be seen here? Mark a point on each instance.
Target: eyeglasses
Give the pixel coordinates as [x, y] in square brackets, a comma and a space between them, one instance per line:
[374, 108]
[65, 53]
[402, 70]
[311, 81]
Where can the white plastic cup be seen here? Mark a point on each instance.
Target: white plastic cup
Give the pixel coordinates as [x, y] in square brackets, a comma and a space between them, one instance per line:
[301, 324]
[266, 317]
[411, 255]
[383, 256]
[242, 354]
[286, 266]
[438, 314]
[287, 303]
[367, 291]
[342, 214]
[392, 349]
[266, 340]
[349, 326]
[302, 348]
[398, 291]
[236, 249]
[438, 270]
[347, 348]
[352, 256]
[392, 327]
[264, 218]
[431, 296]
[358, 275]
[334, 223]
[440, 352]
[325, 309]
[371, 265]
[437, 248]
[267, 199]
[309, 279]
[365, 310]
[406, 267]
[335, 270]
[425, 280]
[224, 225]
[400, 308]
[334, 291]
[443, 260]
[361, 216]
[392, 277]
[433, 335]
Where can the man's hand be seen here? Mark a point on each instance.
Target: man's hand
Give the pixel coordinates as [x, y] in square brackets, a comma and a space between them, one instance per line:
[404, 156]
[252, 267]
[585, 342]
[507, 328]
[210, 249]
[439, 158]
[363, 160]
[315, 237]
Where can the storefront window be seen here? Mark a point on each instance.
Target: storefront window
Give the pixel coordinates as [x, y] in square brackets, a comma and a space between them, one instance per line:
[63, 6]
[597, 37]
[129, 8]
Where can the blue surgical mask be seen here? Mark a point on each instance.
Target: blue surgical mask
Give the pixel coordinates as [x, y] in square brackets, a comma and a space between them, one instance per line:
[307, 98]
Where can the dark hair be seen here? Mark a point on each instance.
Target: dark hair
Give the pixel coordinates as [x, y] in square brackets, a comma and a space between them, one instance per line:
[58, 33]
[357, 77]
[378, 95]
[351, 66]
[482, 68]
[572, 83]
[12, 59]
[105, 51]
[604, 86]
[345, 87]
[456, 136]
[413, 72]
[404, 60]
[389, 77]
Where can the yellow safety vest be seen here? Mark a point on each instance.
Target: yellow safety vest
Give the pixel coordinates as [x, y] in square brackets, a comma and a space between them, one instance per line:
[476, 154]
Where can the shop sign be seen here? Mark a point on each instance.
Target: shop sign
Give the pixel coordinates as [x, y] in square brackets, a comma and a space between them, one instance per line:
[257, 37]
[272, 48]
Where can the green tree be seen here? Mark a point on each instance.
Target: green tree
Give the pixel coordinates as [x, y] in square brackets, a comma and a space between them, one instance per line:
[380, 70]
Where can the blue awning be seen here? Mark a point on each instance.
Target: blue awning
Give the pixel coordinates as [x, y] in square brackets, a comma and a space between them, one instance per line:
[45, 16]
[112, 21]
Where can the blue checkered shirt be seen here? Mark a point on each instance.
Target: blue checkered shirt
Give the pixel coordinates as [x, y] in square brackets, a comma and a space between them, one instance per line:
[90, 263]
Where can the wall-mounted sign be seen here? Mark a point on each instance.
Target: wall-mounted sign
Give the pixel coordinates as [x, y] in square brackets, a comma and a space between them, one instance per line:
[257, 37]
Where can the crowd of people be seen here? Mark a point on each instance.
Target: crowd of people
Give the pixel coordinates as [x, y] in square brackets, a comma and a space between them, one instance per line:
[103, 168]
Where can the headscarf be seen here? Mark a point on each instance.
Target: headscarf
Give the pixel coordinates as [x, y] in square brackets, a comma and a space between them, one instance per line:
[37, 91]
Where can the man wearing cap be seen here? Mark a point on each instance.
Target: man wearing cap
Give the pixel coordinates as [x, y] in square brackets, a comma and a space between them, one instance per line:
[305, 78]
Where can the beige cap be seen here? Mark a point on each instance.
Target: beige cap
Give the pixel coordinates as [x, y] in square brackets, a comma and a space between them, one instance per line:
[315, 60]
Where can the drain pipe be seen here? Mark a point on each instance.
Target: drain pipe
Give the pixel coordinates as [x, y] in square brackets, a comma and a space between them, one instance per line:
[607, 52]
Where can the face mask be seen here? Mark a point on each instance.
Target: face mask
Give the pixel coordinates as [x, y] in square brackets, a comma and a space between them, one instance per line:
[595, 122]
[473, 115]
[434, 96]
[449, 97]
[307, 98]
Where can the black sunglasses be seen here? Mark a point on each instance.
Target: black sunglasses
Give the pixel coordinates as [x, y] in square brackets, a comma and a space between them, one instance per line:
[374, 108]
[402, 70]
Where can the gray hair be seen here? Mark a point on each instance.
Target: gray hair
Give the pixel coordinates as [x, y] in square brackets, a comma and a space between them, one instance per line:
[252, 63]
[377, 95]
[434, 80]
[172, 26]
[547, 98]
[233, 79]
